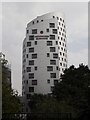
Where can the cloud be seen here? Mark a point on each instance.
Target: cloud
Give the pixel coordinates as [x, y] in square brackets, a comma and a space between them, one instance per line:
[17, 15]
[78, 58]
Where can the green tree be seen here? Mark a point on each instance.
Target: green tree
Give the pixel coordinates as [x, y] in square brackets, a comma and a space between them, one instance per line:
[74, 88]
[10, 100]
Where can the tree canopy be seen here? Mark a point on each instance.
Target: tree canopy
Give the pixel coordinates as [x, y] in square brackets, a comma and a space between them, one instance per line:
[71, 95]
[10, 100]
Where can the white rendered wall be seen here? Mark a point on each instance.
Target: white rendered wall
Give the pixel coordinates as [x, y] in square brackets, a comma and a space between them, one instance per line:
[42, 61]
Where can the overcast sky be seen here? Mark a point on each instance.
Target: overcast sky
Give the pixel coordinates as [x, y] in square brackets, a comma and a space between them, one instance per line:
[15, 17]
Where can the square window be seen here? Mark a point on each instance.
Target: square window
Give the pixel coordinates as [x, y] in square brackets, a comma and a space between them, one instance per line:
[55, 82]
[54, 31]
[34, 31]
[35, 42]
[31, 49]
[52, 62]
[34, 82]
[55, 55]
[49, 68]
[31, 89]
[52, 49]
[31, 62]
[28, 44]
[28, 69]
[34, 56]
[52, 25]
[31, 37]
[31, 75]
[53, 16]
[48, 55]
[52, 37]
[49, 43]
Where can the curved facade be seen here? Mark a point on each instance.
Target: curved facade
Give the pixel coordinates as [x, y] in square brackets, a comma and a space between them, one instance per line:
[44, 54]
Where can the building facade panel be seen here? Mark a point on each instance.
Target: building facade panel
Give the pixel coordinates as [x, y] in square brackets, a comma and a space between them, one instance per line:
[44, 47]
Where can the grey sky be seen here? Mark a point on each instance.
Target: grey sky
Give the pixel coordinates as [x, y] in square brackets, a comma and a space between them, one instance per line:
[15, 17]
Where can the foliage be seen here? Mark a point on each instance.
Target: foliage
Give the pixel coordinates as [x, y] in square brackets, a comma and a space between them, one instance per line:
[71, 95]
[74, 88]
[10, 100]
